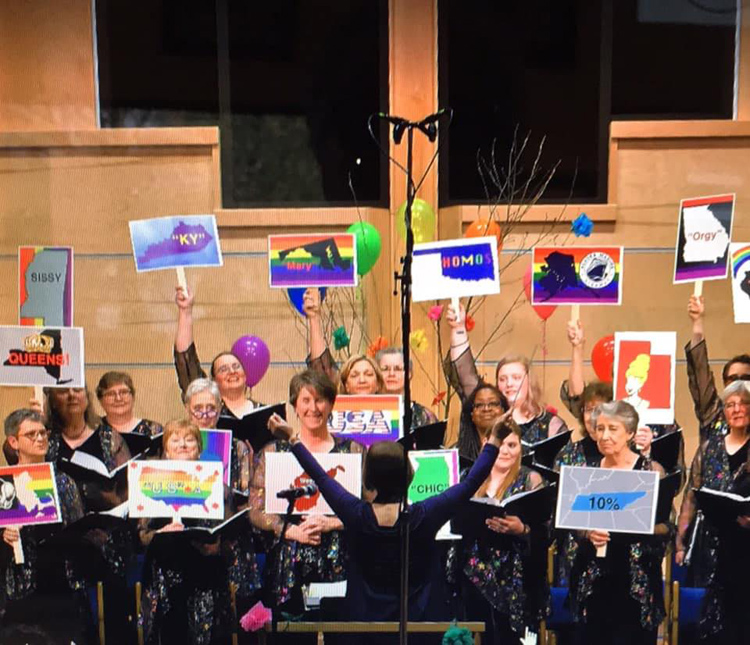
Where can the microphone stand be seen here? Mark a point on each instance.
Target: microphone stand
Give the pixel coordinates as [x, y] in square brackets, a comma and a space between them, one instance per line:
[279, 564]
[428, 126]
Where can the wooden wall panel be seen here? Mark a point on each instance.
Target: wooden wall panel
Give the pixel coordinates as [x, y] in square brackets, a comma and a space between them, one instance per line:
[47, 66]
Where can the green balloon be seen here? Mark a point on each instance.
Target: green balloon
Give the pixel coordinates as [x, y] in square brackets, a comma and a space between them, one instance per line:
[368, 245]
[422, 221]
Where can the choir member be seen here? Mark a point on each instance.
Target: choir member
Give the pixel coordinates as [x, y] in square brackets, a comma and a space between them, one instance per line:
[619, 599]
[186, 584]
[226, 368]
[503, 582]
[514, 379]
[718, 464]
[701, 383]
[44, 593]
[391, 363]
[116, 394]
[373, 527]
[312, 548]
[479, 412]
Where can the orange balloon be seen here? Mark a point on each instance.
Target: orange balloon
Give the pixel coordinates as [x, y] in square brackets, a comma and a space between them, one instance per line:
[484, 228]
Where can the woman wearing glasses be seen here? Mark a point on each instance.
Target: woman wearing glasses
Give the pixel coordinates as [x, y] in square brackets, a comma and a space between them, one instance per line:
[226, 369]
[480, 410]
[721, 463]
[41, 592]
[514, 379]
[203, 404]
[116, 394]
[391, 363]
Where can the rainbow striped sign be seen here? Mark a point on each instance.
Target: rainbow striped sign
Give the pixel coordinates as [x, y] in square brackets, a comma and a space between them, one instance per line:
[176, 489]
[577, 275]
[739, 253]
[317, 260]
[28, 495]
[217, 446]
[367, 418]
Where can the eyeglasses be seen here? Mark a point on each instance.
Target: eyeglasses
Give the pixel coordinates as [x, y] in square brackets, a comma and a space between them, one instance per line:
[206, 413]
[110, 395]
[396, 369]
[736, 377]
[35, 435]
[227, 369]
[736, 404]
[492, 405]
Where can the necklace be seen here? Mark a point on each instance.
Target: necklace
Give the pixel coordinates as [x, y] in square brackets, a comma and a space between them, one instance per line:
[78, 433]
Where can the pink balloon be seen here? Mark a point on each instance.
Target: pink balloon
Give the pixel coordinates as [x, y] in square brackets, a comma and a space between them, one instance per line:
[254, 356]
[543, 311]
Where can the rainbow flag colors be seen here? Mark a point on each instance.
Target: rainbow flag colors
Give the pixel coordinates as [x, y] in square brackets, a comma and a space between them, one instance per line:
[739, 253]
[577, 275]
[316, 260]
[176, 489]
[217, 446]
[367, 418]
[45, 286]
[28, 495]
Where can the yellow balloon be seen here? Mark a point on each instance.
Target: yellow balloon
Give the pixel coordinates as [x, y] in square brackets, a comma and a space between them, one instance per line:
[422, 221]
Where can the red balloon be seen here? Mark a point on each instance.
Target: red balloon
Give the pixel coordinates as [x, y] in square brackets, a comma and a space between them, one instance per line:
[603, 358]
[543, 311]
[484, 228]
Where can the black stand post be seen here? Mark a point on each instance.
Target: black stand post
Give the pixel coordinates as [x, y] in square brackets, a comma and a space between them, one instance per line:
[428, 126]
[276, 548]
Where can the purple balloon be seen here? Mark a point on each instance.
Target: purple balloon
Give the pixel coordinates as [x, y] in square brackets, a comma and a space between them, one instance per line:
[254, 356]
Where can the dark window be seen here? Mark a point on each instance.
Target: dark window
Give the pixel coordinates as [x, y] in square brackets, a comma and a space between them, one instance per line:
[290, 83]
[563, 70]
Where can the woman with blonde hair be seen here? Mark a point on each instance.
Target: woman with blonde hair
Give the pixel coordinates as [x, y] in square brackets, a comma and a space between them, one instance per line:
[515, 380]
[502, 571]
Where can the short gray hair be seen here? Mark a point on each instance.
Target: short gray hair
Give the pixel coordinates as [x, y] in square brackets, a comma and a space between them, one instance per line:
[393, 351]
[620, 411]
[203, 385]
[742, 388]
[14, 420]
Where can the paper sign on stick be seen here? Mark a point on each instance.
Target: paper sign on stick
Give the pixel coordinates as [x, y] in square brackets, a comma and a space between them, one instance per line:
[48, 357]
[455, 269]
[178, 241]
[176, 489]
[703, 234]
[312, 260]
[28, 495]
[577, 275]
[45, 286]
[645, 374]
[740, 263]
[217, 446]
[605, 499]
[367, 418]
[283, 471]
[435, 471]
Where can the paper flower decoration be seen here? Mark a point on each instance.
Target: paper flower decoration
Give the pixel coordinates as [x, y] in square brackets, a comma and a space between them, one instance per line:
[340, 338]
[439, 398]
[379, 343]
[470, 323]
[418, 340]
[552, 410]
[435, 312]
[582, 226]
[256, 617]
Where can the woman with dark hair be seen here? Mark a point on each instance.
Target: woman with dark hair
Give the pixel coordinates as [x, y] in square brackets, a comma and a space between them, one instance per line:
[503, 581]
[619, 599]
[514, 378]
[226, 368]
[481, 408]
[116, 394]
[312, 549]
[373, 527]
[186, 586]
